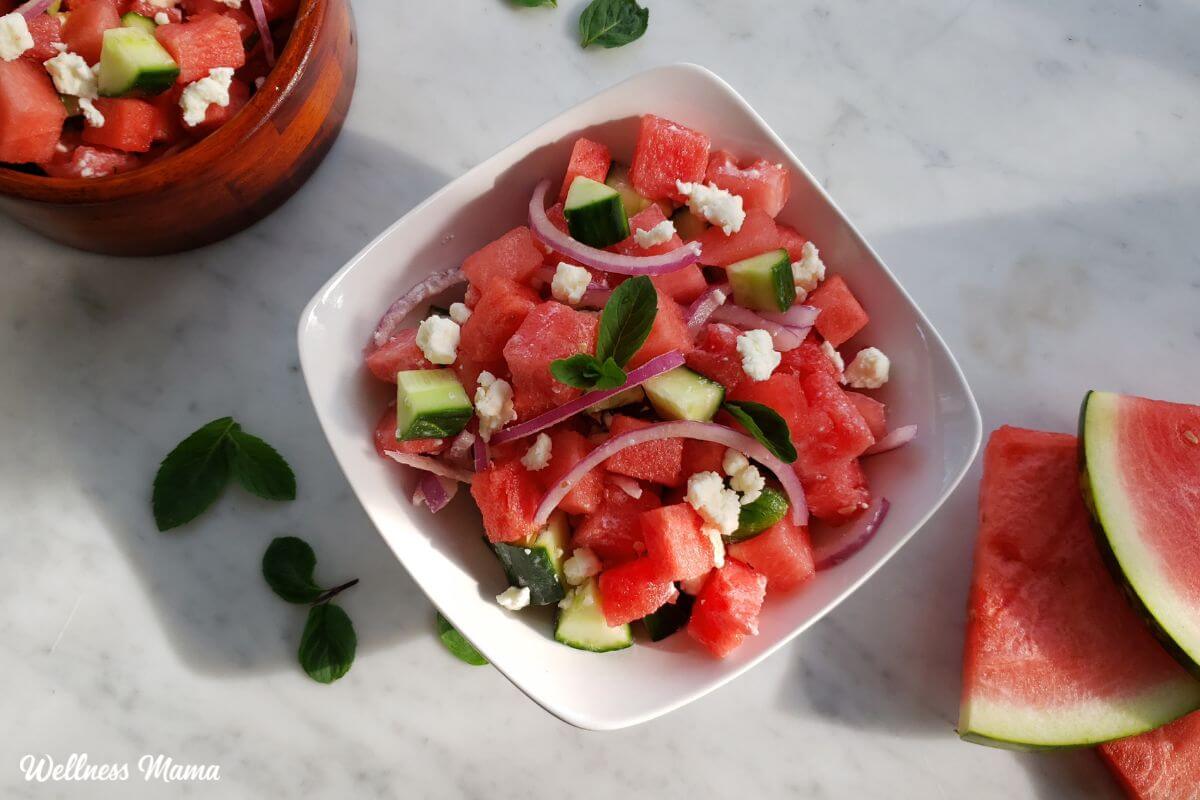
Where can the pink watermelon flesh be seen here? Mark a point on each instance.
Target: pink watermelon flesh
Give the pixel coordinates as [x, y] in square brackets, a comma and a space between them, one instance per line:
[675, 541]
[633, 590]
[726, 610]
[1160, 765]
[666, 152]
[551, 331]
[782, 553]
[1054, 654]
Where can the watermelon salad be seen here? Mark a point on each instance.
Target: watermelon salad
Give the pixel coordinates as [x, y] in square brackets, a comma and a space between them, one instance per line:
[91, 88]
[649, 392]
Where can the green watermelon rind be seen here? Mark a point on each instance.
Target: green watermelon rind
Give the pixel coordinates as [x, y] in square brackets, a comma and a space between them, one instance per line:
[1146, 588]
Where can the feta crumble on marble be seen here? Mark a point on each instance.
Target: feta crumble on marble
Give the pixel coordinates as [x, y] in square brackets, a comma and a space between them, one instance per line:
[438, 339]
[582, 565]
[719, 206]
[569, 283]
[869, 369]
[759, 358]
[659, 234]
[72, 75]
[92, 115]
[15, 37]
[199, 95]
[493, 404]
[835, 358]
[717, 505]
[538, 454]
[809, 271]
[460, 313]
[514, 598]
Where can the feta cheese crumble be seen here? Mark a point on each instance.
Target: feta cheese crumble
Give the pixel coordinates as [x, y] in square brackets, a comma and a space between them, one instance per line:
[836, 358]
[493, 404]
[161, 18]
[734, 462]
[759, 358]
[72, 75]
[869, 369]
[582, 565]
[91, 114]
[15, 37]
[438, 339]
[750, 482]
[659, 234]
[199, 95]
[718, 545]
[460, 313]
[513, 598]
[538, 454]
[719, 206]
[719, 506]
[809, 270]
[231, 3]
[569, 283]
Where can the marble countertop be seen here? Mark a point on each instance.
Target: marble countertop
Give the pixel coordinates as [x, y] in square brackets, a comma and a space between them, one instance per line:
[1026, 168]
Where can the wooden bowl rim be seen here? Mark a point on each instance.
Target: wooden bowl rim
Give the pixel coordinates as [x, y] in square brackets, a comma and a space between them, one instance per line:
[195, 159]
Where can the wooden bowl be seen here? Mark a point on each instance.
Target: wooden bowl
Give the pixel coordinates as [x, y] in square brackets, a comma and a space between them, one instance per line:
[223, 183]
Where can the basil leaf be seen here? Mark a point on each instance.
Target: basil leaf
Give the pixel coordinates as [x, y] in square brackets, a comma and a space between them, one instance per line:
[580, 370]
[626, 320]
[611, 376]
[259, 468]
[612, 23]
[765, 425]
[192, 475]
[288, 567]
[328, 643]
[535, 4]
[457, 644]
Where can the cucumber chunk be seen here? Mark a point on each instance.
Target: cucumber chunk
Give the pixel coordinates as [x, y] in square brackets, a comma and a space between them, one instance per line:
[618, 179]
[684, 394]
[132, 19]
[764, 282]
[132, 60]
[688, 225]
[754, 518]
[430, 403]
[595, 214]
[625, 398]
[536, 562]
[581, 624]
[670, 618]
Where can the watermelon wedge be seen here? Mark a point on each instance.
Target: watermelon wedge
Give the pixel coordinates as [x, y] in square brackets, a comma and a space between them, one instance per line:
[1160, 765]
[1054, 655]
[1141, 477]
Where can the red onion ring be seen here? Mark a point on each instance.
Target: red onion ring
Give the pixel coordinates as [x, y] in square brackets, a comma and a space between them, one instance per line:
[785, 337]
[32, 8]
[703, 307]
[435, 491]
[428, 464]
[794, 317]
[654, 367]
[552, 237]
[264, 31]
[833, 553]
[680, 429]
[897, 438]
[461, 446]
[483, 458]
[403, 305]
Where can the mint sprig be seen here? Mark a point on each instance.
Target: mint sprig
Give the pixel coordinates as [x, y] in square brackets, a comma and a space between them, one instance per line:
[625, 323]
[612, 23]
[457, 644]
[764, 424]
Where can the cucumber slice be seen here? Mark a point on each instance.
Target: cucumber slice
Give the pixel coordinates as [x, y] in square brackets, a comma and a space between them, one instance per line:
[625, 398]
[131, 19]
[684, 394]
[536, 562]
[764, 282]
[430, 403]
[595, 214]
[618, 179]
[688, 225]
[754, 518]
[581, 624]
[132, 60]
[670, 618]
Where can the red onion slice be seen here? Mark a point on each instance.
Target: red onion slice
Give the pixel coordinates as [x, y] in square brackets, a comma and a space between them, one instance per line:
[402, 306]
[461, 446]
[483, 458]
[544, 229]
[32, 8]
[794, 317]
[437, 492]
[897, 438]
[703, 307]
[655, 366]
[429, 465]
[785, 338]
[264, 31]
[682, 429]
[830, 554]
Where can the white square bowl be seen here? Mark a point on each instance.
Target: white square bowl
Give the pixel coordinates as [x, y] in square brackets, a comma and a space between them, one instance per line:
[444, 554]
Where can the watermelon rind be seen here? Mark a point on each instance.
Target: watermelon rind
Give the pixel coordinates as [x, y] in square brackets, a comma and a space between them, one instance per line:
[1134, 564]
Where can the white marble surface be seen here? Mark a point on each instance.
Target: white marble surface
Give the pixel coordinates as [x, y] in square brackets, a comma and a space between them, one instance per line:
[1028, 170]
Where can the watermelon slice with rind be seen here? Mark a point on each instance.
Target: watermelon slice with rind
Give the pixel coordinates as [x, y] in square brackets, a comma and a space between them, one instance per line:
[1141, 477]
[1054, 656]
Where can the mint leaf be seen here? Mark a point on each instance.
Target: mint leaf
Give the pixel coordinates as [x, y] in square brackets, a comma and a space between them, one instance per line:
[765, 425]
[457, 644]
[580, 371]
[192, 475]
[535, 4]
[328, 643]
[288, 568]
[611, 376]
[612, 23]
[259, 468]
[626, 320]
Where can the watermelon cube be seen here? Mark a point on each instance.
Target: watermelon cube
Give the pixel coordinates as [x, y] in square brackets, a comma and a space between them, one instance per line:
[129, 124]
[668, 333]
[215, 115]
[501, 309]
[516, 256]
[791, 240]
[399, 353]
[842, 315]
[850, 434]
[614, 530]
[569, 447]
[782, 392]
[589, 159]
[46, 30]
[761, 184]
[507, 495]
[550, 331]
[84, 29]
[715, 355]
[873, 411]
[89, 162]
[168, 119]
[201, 44]
[666, 152]
[31, 115]
[385, 438]
[658, 462]
[676, 542]
[633, 590]
[726, 610]
[835, 490]
[757, 235]
[148, 9]
[782, 553]
[807, 359]
[682, 285]
[703, 456]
